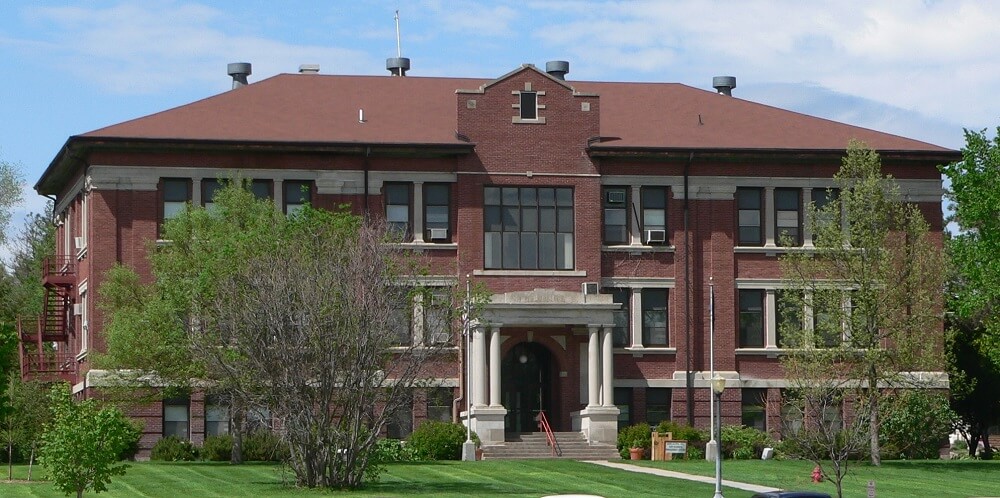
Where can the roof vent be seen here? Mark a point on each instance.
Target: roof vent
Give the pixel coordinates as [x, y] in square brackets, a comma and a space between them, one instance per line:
[724, 84]
[557, 69]
[398, 66]
[308, 68]
[239, 71]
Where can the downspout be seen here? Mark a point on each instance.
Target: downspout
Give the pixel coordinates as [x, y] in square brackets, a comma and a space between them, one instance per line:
[687, 299]
[368, 152]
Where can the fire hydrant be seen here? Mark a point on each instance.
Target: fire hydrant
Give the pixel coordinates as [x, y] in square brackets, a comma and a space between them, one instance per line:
[817, 474]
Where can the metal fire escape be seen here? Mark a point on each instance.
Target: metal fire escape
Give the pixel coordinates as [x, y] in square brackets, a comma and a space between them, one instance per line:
[45, 349]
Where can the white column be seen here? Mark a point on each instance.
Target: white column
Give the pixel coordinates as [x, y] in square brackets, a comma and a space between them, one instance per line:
[633, 224]
[279, 194]
[479, 366]
[607, 366]
[495, 366]
[196, 192]
[767, 217]
[593, 368]
[635, 320]
[807, 234]
[418, 211]
[770, 319]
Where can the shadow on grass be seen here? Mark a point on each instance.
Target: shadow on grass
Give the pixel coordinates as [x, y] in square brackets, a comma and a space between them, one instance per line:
[944, 466]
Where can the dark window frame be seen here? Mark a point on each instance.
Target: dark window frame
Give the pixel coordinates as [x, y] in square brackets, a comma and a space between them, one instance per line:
[753, 408]
[304, 194]
[621, 335]
[747, 204]
[653, 409]
[174, 402]
[652, 304]
[528, 105]
[528, 228]
[625, 400]
[431, 202]
[649, 206]
[780, 208]
[749, 316]
[608, 211]
[389, 192]
[166, 196]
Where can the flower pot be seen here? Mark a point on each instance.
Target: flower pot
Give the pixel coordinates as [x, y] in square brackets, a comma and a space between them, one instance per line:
[635, 453]
[479, 453]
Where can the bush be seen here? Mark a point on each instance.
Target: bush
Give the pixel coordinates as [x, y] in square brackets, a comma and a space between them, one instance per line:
[915, 424]
[744, 443]
[174, 449]
[217, 448]
[634, 436]
[132, 436]
[264, 446]
[435, 440]
[394, 450]
[695, 438]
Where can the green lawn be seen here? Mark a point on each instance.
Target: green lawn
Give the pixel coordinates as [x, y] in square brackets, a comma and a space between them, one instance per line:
[538, 478]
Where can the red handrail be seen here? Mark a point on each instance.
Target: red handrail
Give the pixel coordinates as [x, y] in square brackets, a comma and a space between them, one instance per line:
[550, 438]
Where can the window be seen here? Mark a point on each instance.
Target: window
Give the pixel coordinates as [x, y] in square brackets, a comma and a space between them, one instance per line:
[787, 216]
[821, 198]
[529, 105]
[828, 331]
[85, 326]
[748, 202]
[208, 190]
[654, 215]
[654, 317]
[216, 416]
[297, 194]
[528, 228]
[439, 404]
[401, 321]
[751, 318]
[437, 324]
[623, 400]
[261, 189]
[831, 414]
[754, 408]
[176, 195]
[258, 419]
[790, 319]
[792, 416]
[437, 212]
[400, 423]
[657, 405]
[620, 335]
[397, 209]
[615, 216]
[175, 417]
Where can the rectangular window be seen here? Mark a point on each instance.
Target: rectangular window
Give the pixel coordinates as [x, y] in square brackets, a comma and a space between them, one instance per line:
[788, 216]
[616, 216]
[657, 405]
[792, 413]
[401, 321]
[437, 212]
[821, 199]
[528, 228]
[216, 416]
[437, 324]
[654, 215]
[754, 408]
[400, 423]
[176, 195]
[529, 105]
[751, 318]
[622, 332]
[828, 331]
[832, 414]
[654, 317]
[261, 189]
[623, 400]
[439, 401]
[175, 417]
[297, 194]
[790, 319]
[209, 188]
[749, 202]
[398, 209]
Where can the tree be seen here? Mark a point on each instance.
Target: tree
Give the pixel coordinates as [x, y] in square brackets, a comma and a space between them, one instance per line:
[10, 194]
[82, 444]
[299, 315]
[974, 382]
[865, 304]
[975, 196]
[22, 425]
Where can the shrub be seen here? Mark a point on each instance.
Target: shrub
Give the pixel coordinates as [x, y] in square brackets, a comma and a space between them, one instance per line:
[435, 440]
[695, 438]
[174, 449]
[217, 448]
[915, 423]
[132, 436]
[394, 450]
[264, 446]
[634, 436]
[744, 443]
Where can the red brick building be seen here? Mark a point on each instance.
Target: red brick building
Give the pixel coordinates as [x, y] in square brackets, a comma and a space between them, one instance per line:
[597, 213]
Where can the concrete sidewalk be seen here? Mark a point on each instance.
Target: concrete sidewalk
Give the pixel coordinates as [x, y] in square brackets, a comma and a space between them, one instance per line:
[679, 475]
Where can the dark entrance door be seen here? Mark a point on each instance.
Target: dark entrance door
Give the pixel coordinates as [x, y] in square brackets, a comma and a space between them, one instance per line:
[527, 384]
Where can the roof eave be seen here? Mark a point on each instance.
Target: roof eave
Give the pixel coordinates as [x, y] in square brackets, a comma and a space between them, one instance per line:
[653, 152]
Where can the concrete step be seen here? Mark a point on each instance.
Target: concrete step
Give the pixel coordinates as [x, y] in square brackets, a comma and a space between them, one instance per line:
[572, 445]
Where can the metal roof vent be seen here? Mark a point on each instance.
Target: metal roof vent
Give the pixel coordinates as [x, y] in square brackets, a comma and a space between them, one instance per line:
[239, 71]
[557, 69]
[724, 84]
[398, 66]
[308, 68]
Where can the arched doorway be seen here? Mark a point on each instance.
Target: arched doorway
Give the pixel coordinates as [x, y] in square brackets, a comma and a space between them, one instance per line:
[528, 380]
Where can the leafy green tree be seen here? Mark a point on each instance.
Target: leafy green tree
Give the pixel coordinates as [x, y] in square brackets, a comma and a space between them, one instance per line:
[915, 423]
[866, 305]
[974, 383]
[22, 425]
[82, 444]
[10, 194]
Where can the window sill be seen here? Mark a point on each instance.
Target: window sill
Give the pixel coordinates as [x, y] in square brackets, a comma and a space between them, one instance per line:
[529, 273]
[420, 246]
[770, 352]
[637, 248]
[772, 249]
[641, 350]
[439, 347]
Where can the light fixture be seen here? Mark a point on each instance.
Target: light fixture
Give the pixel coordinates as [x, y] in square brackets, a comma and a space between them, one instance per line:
[718, 384]
[523, 358]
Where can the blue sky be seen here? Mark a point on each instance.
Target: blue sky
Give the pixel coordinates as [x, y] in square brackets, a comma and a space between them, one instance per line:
[924, 69]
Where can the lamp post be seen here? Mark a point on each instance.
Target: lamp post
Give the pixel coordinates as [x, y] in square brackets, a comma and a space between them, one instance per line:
[718, 385]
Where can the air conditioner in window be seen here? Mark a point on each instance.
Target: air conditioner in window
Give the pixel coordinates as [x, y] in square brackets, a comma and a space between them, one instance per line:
[438, 234]
[616, 197]
[589, 288]
[78, 242]
[77, 309]
[656, 236]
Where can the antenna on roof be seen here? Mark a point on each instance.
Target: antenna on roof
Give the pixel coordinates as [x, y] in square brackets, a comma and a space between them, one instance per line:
[397, 65]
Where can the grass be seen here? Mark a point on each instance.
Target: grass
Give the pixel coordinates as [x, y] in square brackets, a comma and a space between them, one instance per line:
[537, 478]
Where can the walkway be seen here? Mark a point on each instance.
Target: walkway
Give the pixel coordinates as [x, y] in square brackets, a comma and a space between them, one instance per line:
[679, 475]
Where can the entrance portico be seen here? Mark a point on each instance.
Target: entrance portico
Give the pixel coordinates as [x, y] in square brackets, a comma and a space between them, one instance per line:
[541, 310]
